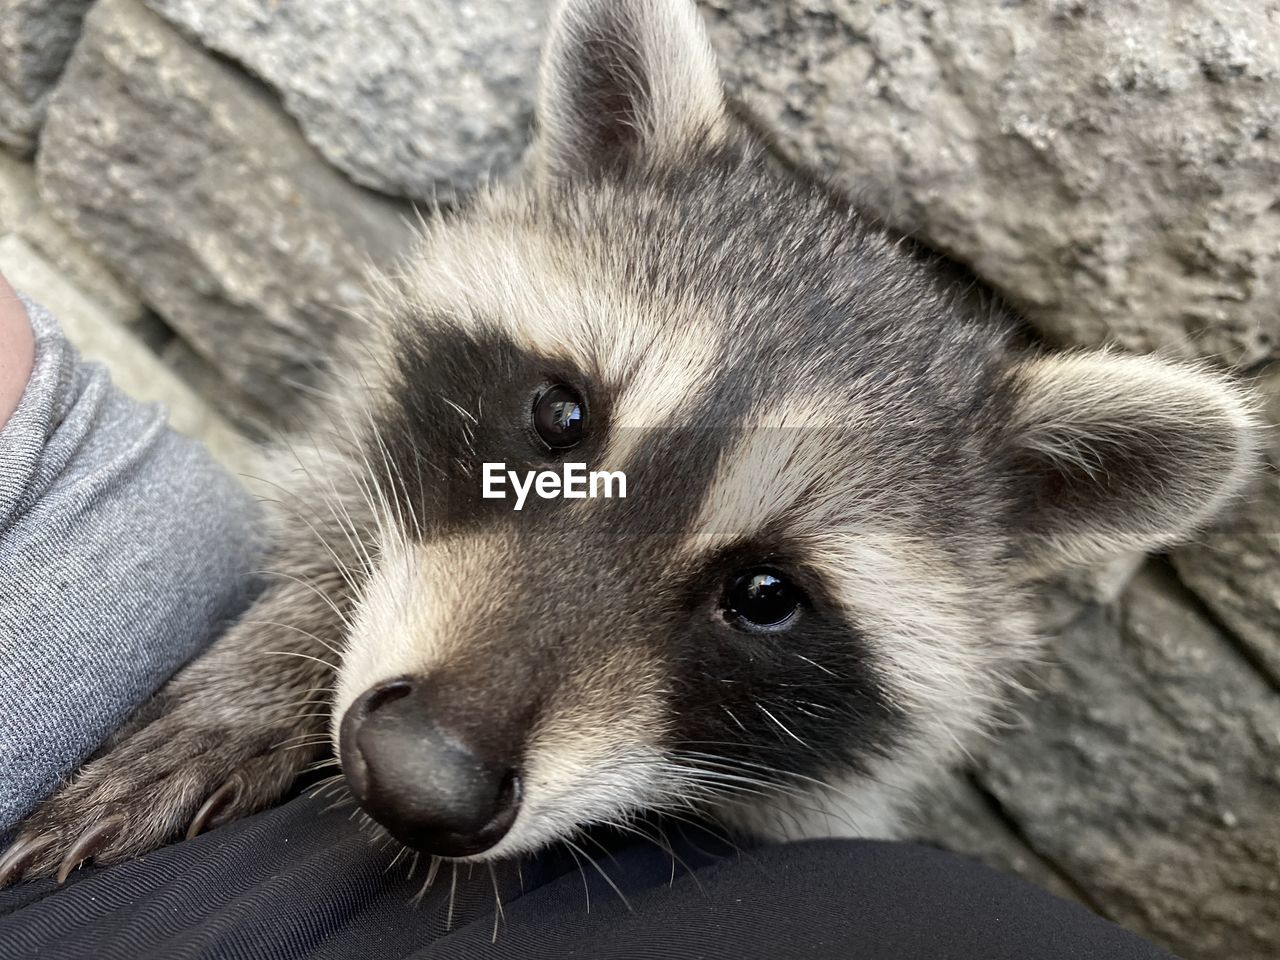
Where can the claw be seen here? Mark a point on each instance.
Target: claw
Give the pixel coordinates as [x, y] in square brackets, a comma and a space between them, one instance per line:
[88, 844]
[217, 801]
[19, 856]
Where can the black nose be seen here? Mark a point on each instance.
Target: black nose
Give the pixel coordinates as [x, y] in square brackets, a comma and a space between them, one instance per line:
[433, 788]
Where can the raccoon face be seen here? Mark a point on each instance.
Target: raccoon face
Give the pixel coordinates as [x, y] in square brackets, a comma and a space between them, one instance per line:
[840, 475]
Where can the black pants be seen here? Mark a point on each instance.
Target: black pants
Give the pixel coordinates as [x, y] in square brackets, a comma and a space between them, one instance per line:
[303, 881]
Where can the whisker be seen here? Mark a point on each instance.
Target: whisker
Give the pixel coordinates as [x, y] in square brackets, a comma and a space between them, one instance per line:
[299, 630]
[453, 890]
[600, 870]
[586, 889]
[782, 726]
[499, 916]
[302, 656]
[819, 666]
[665, 846]
[400, 855]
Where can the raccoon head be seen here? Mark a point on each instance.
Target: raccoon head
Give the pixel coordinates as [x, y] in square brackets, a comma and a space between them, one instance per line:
[841, 475]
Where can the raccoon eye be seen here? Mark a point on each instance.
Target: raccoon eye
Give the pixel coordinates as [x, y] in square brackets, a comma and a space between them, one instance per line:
[761, 598]
[560, 416]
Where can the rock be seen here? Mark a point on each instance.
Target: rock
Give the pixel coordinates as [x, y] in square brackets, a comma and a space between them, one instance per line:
[244, 413]
[413, 97]
[22, 213]
[1268, 388]
[1110, 165]
[1235, 567]
[74, 259]
[957, 816]
[1149, 772]
[1072, 592]
[98, 335]
[1235, 570]
[18, 198]
[152, 331]
[36, 37]
[246, 242]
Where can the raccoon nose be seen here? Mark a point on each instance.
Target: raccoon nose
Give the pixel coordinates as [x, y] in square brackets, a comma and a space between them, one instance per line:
[431, 787]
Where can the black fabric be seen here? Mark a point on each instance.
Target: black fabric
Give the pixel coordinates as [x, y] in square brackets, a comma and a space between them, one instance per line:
[305, 881]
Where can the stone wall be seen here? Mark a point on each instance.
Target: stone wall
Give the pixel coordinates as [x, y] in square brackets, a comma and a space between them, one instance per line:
[210, 180]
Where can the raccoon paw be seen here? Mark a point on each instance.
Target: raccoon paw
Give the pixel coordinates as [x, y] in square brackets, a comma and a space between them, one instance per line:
[146, 790]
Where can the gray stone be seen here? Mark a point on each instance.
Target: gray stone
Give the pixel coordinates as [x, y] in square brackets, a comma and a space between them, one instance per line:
[22, 213]
[1235, 567]
[19, 200]
[99, 336]
[956, 816]
[36, 37]
[1149, 772]
[1110, 165]
[1069, 595]
[413, 97]
[153, 331]
[247, 415]
[71, 256]
[183, 175]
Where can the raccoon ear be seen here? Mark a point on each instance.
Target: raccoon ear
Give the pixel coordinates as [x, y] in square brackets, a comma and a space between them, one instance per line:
[1124, 453]
[621, 78]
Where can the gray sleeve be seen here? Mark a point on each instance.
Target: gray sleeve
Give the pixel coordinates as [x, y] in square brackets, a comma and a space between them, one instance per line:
[123, 549]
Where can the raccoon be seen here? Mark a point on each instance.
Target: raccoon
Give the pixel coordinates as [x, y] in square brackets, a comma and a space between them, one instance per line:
[845, 475]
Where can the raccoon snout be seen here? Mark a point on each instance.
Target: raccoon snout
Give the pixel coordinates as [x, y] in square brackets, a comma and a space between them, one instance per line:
[430, 784]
